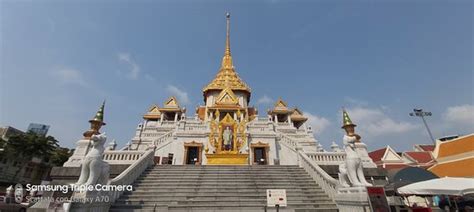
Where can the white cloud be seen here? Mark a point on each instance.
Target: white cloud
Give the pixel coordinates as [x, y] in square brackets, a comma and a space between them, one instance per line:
[180, 94]
[265, 100]
[355, 102]
[459, 115]
[134, 67]
[69, 76]
[373, 122]
[318, 124]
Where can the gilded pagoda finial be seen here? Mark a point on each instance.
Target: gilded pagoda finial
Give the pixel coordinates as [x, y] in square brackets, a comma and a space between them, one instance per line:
[227, 59]
[227, 76]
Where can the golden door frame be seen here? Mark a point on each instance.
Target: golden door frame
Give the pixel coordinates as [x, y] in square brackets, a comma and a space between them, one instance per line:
[193, 144]
[260, 144]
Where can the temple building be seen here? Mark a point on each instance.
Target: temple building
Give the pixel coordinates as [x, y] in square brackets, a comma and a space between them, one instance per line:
[225, 129]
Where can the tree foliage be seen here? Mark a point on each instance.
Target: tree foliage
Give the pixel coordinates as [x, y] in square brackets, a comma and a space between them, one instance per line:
[22, 148]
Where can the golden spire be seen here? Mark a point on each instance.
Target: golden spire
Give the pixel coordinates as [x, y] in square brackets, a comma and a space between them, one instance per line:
[227, 59]
[227, 77]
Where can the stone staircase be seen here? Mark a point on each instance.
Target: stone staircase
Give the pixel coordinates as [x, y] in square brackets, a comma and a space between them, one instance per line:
[222, 188]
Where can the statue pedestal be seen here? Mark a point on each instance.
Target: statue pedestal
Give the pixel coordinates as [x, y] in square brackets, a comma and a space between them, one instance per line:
[352, 199]
[227, 159]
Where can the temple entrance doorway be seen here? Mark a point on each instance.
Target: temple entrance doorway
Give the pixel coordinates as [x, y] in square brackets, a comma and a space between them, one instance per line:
[260, 153]
[259, 156]
[192, 157]
[192, 154]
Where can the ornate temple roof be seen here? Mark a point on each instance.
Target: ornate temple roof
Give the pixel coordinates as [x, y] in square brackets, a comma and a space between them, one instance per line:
[280, 107]
[153, 112]
[171, 105]
[227, 77]
[297, 115]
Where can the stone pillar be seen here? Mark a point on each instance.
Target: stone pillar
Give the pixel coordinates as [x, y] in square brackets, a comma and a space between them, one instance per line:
[175, 117]
[276, 118]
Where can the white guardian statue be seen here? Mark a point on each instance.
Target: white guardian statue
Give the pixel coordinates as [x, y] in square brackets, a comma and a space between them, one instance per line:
[94, 169]
[351, 173]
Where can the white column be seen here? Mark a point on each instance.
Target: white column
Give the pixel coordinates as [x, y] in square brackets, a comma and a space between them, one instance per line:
[235, 116]
[175, 117]
[276, 118]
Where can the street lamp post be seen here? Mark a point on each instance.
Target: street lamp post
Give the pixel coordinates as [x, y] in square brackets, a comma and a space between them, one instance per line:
[422, 114]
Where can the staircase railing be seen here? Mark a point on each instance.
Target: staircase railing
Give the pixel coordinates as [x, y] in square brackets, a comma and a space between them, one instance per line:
[160, 140]
[328, 183]
[287, 141]
[104, 199]
[130, 174]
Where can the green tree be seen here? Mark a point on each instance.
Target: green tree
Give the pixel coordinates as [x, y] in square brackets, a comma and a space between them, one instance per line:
[23, 147]
[60, 155]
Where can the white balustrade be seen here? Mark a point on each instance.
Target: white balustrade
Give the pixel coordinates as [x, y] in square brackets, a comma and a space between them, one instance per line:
[159, 141]
[323, 179]
[327, 158]
[127, 177]
[122, 156]
[309, 162]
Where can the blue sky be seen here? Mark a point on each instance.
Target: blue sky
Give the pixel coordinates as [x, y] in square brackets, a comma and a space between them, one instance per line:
[378, 59]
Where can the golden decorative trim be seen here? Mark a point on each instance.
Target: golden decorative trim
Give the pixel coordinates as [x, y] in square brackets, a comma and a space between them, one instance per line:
[227, 97]
[227, 159]
[259, 144]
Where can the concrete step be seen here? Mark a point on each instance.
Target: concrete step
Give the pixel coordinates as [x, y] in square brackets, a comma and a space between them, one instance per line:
[234, 195]
[212, 201]
[227, 173]
[224, 184]
[246, 209]
[222, 188]
[217, 188]
[200, 204]
[172, 191]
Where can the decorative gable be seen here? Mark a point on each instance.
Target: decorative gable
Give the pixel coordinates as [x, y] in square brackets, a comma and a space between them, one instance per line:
[280, 104]
[154, 109]
[171, 103]
[391, 155]
[227, 97]
[153, 113]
